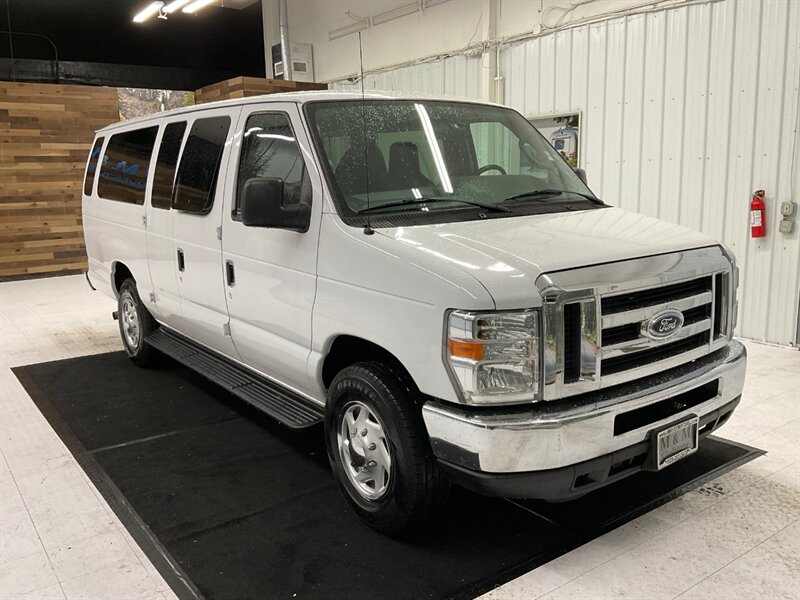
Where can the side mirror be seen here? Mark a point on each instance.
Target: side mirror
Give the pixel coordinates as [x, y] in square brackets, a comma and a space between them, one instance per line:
[262, 206]
[581, 175]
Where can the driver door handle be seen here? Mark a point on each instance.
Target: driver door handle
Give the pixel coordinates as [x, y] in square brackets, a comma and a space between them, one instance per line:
[230, 275]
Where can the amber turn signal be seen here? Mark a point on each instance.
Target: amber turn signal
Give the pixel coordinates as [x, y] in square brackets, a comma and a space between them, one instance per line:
[461, 349]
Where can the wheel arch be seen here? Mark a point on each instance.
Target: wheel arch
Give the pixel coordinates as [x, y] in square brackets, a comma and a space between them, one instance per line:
[119, 273]
[346, 350]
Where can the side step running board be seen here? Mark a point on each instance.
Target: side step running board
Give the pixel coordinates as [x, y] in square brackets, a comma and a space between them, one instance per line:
[282, 404]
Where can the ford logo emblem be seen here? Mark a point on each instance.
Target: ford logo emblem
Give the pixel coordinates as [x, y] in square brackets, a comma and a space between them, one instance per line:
[664, 324]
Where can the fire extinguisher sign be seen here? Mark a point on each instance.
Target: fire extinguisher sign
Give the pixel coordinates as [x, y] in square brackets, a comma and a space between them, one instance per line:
[755, 218]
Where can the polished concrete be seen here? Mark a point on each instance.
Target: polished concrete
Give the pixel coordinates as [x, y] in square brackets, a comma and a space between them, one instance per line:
[736, 537]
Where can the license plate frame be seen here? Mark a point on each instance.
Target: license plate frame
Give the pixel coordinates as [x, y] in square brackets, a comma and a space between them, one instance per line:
[673, 443]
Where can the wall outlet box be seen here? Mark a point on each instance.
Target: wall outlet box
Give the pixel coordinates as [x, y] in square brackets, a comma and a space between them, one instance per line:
[788, 208]
[785, 226]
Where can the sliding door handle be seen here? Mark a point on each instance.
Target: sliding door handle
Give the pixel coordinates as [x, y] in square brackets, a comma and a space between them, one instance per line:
[181, 261]
[230, 275]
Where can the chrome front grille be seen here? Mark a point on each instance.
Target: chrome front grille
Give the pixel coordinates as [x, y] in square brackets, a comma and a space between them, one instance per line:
[599, 321]
[624, 343]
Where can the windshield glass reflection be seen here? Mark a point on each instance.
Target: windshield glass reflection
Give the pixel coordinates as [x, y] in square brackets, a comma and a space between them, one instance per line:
[420, 156]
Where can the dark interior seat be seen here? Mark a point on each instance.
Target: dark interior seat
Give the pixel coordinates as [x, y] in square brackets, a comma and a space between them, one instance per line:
[353, 175]
[458, 152]
[404, 170]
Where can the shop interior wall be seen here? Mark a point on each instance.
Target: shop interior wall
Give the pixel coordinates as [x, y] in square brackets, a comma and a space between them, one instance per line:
[46, 131]
[685, 111]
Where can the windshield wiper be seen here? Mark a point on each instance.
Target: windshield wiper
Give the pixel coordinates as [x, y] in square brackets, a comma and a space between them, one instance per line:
[548, 193]
[430, 200]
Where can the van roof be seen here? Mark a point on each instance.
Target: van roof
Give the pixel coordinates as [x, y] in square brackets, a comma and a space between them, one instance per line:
[296, 97]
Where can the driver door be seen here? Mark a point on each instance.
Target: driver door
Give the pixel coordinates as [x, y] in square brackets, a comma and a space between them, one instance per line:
[271, 273]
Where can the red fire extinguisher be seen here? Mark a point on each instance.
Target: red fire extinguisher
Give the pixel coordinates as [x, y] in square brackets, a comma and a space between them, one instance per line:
[758, 223]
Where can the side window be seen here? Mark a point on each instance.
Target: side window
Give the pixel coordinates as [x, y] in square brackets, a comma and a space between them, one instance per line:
[197, 173]
[91, 167]
[166, 163]
[496, 144]
[123, 174]
[269, 149]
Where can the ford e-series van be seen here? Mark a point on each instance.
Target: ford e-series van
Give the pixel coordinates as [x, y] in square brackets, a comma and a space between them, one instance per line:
[387, 267]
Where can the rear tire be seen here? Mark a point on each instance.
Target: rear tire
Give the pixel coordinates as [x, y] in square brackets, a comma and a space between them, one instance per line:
[379, 450]
[135, 324]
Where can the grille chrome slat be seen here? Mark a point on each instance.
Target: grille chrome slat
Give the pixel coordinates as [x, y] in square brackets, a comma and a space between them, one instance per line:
[655, 367]
[660, 294]
[643, 343]
[642, 314]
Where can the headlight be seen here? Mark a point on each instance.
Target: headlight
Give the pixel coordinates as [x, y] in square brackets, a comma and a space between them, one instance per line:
[494, 356]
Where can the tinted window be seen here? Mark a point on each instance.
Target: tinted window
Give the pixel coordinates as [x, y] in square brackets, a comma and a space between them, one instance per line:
[197, 173]
[166, 163]
[92, 167]
[123, 174]
[269, 149]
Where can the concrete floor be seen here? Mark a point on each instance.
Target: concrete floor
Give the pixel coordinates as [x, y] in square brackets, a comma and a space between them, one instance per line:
[736, 537]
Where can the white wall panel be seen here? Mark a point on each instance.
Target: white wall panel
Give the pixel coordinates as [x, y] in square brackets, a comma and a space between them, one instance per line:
[458, 76]
[686, 112]
[631, 149]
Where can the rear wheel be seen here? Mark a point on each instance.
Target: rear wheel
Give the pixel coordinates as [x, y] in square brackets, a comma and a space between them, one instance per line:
[135, 324]
[379, 449]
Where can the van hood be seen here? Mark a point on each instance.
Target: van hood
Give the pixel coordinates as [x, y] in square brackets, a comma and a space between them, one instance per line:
[507, 255]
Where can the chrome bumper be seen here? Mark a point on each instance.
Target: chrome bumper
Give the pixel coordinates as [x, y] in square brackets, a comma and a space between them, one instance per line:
[551, 435]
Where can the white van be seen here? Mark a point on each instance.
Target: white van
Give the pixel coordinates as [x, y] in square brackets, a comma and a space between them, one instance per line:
[383, 266]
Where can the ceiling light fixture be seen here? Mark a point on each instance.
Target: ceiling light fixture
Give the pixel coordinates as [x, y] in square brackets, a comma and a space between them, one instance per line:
[175, 5]
[152, 9]
[197, 5]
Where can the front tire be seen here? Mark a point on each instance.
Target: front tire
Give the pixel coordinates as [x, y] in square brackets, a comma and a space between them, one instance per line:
[379, 450]
[135, 324]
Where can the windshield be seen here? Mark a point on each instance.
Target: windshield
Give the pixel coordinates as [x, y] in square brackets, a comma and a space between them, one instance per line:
[385, 157]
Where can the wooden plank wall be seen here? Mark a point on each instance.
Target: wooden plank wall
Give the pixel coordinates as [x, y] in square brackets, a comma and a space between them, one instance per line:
[243, 87]
[46, 131]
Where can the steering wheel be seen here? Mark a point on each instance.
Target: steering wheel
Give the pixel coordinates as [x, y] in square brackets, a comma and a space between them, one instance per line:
[485, 168]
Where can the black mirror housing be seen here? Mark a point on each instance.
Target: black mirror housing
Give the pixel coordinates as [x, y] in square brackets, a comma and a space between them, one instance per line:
[581, 175]
[262, 206]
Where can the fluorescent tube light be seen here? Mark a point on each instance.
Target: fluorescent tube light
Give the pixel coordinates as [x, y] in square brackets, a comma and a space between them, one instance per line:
[148, 12]
[438, 159]
[348, 29]
[275, 136]
[401, 11]
[175, 5]
[197, 5]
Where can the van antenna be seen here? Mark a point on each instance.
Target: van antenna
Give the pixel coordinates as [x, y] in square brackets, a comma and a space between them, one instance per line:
[368, 230]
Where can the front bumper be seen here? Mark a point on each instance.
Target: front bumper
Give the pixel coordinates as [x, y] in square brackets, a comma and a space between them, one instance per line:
[595, 429]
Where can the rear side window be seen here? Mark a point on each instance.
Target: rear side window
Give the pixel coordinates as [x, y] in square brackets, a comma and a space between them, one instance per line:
[197, 173]
[123, 174]
[166, 163]
[94, 157]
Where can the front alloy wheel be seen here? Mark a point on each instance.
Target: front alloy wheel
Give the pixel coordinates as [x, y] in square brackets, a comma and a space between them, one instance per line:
[379, 449]
[364, 451]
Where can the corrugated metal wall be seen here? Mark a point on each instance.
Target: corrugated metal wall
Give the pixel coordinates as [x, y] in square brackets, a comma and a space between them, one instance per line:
[685, 112]
[453, 76]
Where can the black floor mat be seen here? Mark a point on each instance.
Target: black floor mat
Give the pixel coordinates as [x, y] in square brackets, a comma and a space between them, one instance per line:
[228, 504]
